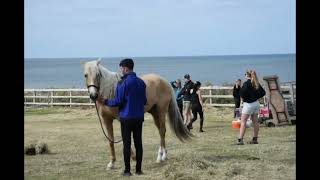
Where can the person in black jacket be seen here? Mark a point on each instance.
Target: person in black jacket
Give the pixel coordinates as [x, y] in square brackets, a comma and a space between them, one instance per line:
[236, 95]
[196, 105]
[250, 92]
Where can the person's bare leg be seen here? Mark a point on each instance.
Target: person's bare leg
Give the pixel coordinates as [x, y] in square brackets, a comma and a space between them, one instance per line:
[244, 118]
[185, 114]
[190, 116]
[254, 118]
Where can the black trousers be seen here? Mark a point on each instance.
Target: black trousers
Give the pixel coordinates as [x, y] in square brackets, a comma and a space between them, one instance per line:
[237, 105]
[134, 126]
[181, 109]
[197, 109]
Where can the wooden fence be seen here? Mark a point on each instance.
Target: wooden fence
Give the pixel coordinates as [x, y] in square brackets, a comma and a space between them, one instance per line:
[80, 97]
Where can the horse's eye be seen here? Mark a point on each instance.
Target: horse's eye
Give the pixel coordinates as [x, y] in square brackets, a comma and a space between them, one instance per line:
[86, 75]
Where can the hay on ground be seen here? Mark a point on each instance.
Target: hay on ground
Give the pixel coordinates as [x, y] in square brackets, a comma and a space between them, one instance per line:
[36, 148]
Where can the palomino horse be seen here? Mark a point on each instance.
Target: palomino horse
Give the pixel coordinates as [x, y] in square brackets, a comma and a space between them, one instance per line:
[160, 101]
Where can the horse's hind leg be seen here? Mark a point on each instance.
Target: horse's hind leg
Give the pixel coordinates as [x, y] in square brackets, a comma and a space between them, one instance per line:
[159, 120]
[162, 130]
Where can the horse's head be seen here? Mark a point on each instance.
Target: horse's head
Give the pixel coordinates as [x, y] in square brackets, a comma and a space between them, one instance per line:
[92, 75]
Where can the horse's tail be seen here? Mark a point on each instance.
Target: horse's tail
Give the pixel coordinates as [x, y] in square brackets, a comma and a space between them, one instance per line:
[176, 121]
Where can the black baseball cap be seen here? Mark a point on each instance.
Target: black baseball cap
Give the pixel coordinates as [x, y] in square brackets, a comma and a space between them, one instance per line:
[187, 76]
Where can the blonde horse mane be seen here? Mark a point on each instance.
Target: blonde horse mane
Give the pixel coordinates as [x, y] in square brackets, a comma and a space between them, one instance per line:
[108, 82]
[108, 79]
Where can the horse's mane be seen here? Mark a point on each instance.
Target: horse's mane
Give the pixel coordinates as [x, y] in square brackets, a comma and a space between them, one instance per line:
[108, 81]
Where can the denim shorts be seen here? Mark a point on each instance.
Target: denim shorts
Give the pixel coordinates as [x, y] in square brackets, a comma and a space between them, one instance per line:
[186, 106]
[251, 108]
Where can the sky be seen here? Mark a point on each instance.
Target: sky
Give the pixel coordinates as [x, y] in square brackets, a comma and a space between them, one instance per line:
[136, 28]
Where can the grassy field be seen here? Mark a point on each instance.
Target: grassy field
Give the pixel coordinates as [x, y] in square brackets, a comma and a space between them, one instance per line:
[78, 149]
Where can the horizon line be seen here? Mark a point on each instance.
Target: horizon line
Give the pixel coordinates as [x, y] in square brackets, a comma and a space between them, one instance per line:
[160, 56]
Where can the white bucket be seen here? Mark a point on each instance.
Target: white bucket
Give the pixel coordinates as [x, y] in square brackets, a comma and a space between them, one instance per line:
[249, 123]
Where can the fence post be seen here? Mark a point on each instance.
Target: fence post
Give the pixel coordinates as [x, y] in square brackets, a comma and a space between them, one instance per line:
[292, 96]
[48, 98]
[291, 93]
[70, 97]
[51, 100]
[210, 93]
[34, 97]
[25, 99]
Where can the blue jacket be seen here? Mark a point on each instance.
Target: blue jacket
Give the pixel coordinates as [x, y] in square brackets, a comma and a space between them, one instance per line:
[178, 98]
[130, 97]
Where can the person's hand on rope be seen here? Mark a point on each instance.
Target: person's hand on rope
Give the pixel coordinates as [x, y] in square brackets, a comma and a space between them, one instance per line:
[101, 99]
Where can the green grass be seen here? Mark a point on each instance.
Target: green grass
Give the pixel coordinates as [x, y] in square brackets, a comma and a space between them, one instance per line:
[44, 111]
[78, 149]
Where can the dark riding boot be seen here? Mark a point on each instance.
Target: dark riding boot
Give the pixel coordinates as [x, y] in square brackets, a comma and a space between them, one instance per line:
[254, 140]
[201, 125]
[126, 173]
[240, 142]
[189, 127]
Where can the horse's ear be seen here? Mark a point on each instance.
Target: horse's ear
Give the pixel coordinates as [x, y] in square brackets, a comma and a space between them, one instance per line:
[99, 61]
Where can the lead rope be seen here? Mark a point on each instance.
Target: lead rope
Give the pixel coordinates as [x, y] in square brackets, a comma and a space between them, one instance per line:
[95, 103]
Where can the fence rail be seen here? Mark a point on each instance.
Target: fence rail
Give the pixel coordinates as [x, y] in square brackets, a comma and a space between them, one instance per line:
[80, 97]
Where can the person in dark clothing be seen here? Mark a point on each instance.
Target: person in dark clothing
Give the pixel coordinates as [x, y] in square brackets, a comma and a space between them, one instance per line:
[186, 99]
[130, 97]
[176, 85]
[250, 92]
[236, 95]
[196, 105]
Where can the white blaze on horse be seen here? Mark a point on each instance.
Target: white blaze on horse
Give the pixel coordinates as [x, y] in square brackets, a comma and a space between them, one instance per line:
[160, 102]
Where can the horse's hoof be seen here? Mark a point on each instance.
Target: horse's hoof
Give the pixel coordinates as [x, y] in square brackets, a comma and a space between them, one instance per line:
[164, 158]
[158, 160]
[110, 166]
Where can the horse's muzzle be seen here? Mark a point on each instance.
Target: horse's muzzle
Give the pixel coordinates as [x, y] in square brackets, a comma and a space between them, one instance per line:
[93, 97]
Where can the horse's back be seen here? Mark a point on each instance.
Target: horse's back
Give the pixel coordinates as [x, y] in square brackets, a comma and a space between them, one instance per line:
[151, 77]
[158, 90]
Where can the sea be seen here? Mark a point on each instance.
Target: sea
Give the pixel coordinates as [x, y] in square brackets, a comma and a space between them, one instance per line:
[213, 70]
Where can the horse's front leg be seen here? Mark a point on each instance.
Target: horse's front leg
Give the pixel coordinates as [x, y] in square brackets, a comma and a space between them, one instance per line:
[109, 127]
